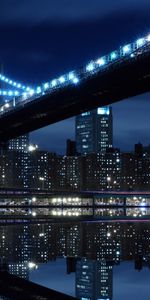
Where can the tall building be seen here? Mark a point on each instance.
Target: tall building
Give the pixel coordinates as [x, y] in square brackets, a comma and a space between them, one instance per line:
[21, 143]
[19, 146]
[93, 280]
[94, 131]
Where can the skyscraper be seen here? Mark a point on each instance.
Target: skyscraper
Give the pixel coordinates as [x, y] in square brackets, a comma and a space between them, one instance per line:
[94, 131]
[93, 280]
[19, 148]
[21, 143]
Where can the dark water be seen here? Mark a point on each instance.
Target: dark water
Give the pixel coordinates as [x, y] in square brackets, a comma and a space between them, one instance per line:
[92, 253]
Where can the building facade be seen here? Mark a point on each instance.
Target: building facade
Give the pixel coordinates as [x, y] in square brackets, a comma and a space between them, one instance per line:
[93, 280]
[94, 131]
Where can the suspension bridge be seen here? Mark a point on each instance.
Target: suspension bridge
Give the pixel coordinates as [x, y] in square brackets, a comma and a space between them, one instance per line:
[123, 73]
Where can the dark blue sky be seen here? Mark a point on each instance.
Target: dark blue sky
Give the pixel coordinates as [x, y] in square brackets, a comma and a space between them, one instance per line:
[128, 283]
[41, 39]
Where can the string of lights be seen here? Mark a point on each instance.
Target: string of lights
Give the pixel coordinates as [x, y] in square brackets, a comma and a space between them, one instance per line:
[128, 50]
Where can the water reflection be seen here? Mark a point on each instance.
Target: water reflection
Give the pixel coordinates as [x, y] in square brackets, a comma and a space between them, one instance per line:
[91, 250]
[63, 212]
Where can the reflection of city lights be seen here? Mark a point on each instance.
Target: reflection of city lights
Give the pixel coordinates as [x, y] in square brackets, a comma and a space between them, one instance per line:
[32, 148]
[34, 199]
[34, 214]
[41, 234]
[32, 265]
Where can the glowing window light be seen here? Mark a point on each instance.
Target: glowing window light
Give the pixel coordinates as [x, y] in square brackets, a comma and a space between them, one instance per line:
[54, 83]
[101, 62]
[32, 265]
[62, 79]
[126, 49]
[34, 214]
[90, 67]
[140, 42]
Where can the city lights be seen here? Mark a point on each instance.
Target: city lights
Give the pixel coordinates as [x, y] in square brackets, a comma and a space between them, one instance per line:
[32, 148]
[32, 265]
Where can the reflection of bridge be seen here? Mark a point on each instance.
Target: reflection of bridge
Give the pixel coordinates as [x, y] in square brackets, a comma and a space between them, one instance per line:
[121, 74]
[17, 288]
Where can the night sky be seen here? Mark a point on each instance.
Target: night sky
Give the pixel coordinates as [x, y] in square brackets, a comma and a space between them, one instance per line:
[41, 39]
[128, 283]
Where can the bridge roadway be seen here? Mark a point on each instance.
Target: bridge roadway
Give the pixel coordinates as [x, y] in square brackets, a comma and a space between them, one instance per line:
[14, 287]
[126, 78]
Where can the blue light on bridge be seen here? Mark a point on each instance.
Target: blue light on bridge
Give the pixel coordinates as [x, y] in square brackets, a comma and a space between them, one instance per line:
[38, 90]
[113, 55]
[46, 85]
[62, 79]
[74, 77]
[101, 61]
[9, 93]
[11, 82]
[140, 42]
[90, 67]
[126, 49]
[31, 92]
[71, 76]
[53, 82]
[148, 38]
[75, 80]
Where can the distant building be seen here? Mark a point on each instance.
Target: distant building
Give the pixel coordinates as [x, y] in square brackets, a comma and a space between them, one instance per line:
[19, 146]
[93, 280]
[20, 143]
[94, 131]
[71, 148]
[103, 170]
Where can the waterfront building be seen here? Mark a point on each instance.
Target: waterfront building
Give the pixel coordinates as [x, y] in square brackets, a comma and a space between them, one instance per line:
[94, 280]
[94, 131]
